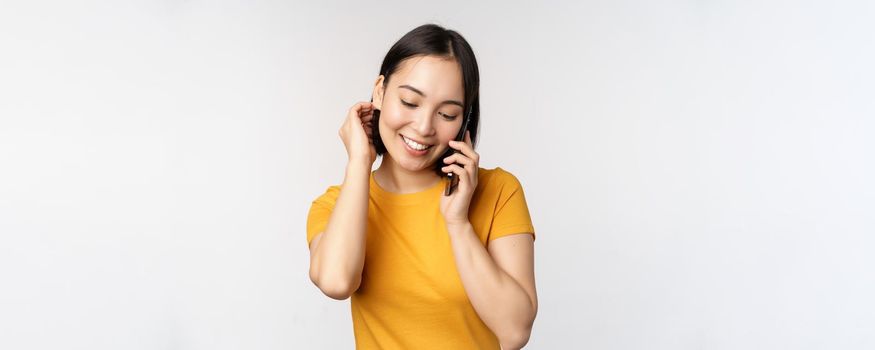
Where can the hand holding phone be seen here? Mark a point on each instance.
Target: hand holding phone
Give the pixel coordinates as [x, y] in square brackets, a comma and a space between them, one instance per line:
[453, 181]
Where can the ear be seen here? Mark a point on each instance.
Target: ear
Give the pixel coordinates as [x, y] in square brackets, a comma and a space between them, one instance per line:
[379, 91]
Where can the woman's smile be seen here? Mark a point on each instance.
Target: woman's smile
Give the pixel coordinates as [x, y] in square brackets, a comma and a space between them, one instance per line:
[414, 148]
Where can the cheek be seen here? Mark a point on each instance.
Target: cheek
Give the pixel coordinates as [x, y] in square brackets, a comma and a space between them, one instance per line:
[391, 119]
[449, 132]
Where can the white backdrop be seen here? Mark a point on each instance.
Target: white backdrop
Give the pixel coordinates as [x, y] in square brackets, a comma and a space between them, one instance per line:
[699, 172]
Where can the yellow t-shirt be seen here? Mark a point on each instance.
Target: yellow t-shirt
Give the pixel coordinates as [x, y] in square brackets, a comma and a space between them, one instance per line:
[411, 296]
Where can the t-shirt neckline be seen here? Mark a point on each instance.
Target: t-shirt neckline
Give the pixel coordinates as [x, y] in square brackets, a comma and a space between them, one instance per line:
[406, 198]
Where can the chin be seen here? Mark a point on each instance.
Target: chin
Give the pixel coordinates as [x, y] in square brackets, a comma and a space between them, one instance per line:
[413, 165]
[406, 162]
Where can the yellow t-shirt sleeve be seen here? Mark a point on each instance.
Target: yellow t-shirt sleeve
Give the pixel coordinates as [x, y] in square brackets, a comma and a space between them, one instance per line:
[512, 212]
[320, 211]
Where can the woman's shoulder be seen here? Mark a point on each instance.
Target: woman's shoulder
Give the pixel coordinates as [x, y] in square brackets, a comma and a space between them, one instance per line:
[496, 178]
[330, 195]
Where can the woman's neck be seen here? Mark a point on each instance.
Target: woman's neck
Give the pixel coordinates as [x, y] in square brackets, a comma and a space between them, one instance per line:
[396, 179]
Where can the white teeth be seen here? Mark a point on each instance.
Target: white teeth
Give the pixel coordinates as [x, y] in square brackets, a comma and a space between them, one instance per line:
[413, 144]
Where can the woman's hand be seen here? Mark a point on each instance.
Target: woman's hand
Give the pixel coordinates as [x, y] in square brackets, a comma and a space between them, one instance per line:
[455, 206]
[356, 133]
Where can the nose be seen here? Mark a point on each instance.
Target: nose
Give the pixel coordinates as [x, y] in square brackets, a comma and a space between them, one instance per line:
[424, 123]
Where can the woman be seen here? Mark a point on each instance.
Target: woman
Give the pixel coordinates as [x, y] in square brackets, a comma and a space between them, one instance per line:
[425, 269]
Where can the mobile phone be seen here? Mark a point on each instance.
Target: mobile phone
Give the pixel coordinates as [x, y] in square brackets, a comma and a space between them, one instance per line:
[452, 180]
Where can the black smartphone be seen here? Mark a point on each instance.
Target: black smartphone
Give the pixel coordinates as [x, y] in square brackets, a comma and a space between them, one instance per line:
[453, 180]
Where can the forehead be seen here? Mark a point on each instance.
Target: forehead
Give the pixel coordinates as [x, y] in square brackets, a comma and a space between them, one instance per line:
[438, 77]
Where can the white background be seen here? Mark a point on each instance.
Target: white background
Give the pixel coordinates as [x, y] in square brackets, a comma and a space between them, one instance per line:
[699, 173]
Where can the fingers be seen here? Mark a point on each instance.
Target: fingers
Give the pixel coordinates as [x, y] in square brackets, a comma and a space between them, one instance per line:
[360, 117]
[357, 129]
[364, 111]
[458, 158]
[361, 110]
[362, 106]
[466, 148]
[467, 178]
[455, 169]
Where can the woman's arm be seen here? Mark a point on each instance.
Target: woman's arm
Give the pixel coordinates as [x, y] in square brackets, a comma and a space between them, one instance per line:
[500, 282]
[337, 255]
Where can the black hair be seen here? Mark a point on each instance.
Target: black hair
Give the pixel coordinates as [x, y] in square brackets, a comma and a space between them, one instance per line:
[432, 39]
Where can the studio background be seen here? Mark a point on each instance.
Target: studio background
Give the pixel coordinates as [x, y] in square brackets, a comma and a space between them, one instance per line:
[699, 173]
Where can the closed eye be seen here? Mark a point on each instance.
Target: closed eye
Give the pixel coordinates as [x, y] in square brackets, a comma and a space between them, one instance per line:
[449, 117]
[411, 106]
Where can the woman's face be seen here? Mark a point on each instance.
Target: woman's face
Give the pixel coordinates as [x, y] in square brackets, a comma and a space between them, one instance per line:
[423, 103]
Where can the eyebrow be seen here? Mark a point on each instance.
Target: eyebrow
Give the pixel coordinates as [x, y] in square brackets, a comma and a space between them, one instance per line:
[454, 102]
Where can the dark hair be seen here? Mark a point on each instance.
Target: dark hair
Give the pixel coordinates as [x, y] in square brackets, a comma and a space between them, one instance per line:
[432, 39]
